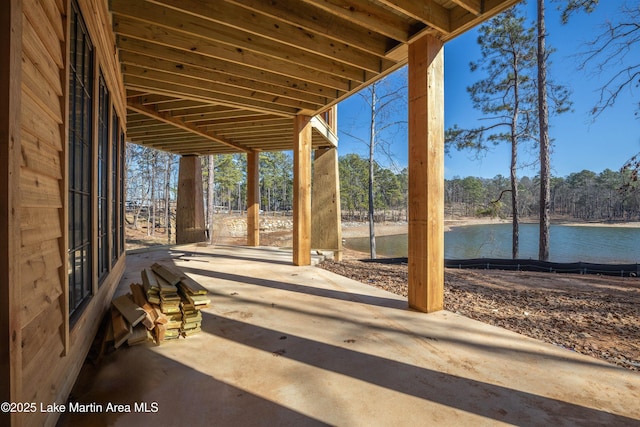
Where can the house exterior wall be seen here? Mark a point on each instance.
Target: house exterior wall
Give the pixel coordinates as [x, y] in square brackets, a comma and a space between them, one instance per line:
[46, 346]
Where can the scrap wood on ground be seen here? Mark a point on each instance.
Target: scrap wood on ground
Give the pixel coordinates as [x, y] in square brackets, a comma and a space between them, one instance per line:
[165, 306]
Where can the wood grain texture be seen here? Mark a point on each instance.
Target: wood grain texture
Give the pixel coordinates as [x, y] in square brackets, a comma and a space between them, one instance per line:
[253, 199]
[426, 174]
[302, 191]
[326, 229]
[11, 21]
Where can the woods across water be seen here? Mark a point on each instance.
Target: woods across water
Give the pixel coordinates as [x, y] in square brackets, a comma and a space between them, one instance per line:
[585, 195]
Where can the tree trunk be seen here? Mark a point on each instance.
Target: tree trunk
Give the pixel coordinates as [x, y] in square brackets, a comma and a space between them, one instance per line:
[543, 113]
[167, 199]
[372, 141]
[210, 201]
[515, 242]
[151, 217]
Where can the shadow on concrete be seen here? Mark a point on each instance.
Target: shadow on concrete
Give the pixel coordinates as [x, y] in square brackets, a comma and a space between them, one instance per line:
[492, 401]
[183, 395]
[294, 287]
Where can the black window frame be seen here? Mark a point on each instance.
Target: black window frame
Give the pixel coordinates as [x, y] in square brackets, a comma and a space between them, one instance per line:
[115, 160]
[80, 160]
[104, 112]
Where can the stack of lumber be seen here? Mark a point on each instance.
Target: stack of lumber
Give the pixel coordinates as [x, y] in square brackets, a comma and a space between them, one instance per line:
[193, 298]
[164, 307]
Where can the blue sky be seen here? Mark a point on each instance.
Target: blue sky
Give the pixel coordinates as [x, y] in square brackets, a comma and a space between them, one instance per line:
[579, 141]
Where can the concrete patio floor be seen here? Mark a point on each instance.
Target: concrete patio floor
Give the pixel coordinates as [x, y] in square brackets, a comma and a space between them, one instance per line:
[284, 345]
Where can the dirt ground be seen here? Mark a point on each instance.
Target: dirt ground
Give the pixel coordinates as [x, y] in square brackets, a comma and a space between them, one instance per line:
[594, 315]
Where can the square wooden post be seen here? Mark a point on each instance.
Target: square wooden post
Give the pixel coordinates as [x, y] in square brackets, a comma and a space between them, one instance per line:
[10, 158]
[426, 174]
[190, 227]
[326, 230]
[302, 190]
[253, 199]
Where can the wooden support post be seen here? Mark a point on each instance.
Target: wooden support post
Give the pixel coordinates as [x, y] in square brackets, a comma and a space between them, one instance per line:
[10, 157]
[326, 231]
[253, 199]
[426, 174]
[190, 204]
[302, 190]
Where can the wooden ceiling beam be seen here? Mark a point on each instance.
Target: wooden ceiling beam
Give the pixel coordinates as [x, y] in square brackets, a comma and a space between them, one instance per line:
[427, 11]
[198, 59]
[232, 91]
[173, 89]
[167, 118]
[190, 71]
[248, 25]
[235, 124]
[473, 6]
[319, 21]
[319, 72]
[181, 23]
[368, 15]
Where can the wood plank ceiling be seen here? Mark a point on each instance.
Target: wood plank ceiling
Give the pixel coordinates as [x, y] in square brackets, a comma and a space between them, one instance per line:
[222, 76]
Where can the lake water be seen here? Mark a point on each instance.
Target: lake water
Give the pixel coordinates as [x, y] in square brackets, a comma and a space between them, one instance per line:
[567, 243]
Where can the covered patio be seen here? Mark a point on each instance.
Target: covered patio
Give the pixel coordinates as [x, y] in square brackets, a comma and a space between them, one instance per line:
[286, 345]
[246, 76]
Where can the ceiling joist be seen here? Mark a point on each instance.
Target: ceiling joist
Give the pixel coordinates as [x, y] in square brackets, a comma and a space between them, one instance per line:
[167, 118]
[206, 77]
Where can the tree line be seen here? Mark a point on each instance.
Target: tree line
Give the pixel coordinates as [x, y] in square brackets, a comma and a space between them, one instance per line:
[584, 195]
[152, 183]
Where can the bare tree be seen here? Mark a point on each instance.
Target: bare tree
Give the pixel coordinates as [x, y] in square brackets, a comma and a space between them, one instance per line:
[384, 99]
[616, 47]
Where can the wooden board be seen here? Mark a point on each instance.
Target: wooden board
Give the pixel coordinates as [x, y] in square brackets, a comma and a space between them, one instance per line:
[149, 281]
[140, 335]
[122, 331]
[130, 310]
[169, 274]
[139, 298]
[192, 287]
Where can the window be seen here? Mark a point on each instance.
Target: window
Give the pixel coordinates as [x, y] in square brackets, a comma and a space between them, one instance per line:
[115, 158]
[122, 191]
[103, 179]
[81, 78]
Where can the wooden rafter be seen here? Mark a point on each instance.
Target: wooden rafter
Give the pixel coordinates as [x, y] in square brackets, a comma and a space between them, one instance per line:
[243, 69]
[429, 12]
[319, 21]
[473, 6]
[368, 15]
[167, 118]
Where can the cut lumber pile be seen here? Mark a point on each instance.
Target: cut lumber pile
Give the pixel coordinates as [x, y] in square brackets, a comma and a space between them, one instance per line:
[166, 306]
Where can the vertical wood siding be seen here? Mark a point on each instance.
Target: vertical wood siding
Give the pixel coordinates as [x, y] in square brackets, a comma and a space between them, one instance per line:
[48, 371]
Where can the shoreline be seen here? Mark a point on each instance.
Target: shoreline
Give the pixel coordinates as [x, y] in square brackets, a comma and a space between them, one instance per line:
[361, 229]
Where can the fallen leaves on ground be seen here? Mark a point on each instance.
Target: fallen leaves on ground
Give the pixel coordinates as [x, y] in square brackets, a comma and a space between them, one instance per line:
[594, 315]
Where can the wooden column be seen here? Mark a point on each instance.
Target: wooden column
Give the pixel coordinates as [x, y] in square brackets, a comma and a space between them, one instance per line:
[253, 199]
[302, 190]
[10, 99]
[190, 226]
[426, 174]
[326, 231]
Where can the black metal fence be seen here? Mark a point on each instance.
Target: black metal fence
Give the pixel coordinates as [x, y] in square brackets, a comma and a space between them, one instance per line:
[621, 270]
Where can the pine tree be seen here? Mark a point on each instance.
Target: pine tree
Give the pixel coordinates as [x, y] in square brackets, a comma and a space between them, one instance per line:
[506, 96]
